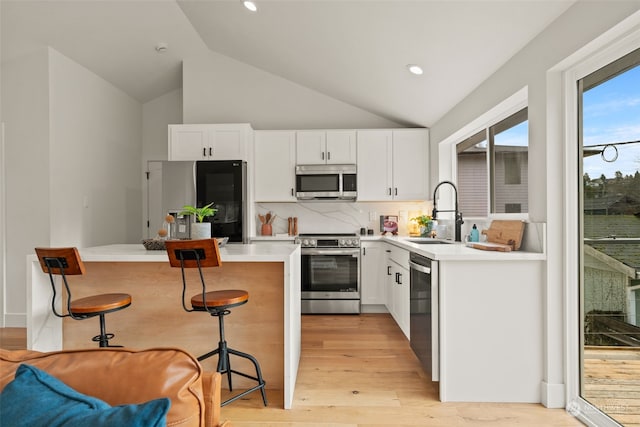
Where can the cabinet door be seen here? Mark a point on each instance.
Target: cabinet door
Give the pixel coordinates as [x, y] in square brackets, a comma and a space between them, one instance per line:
[389, 281]
[310, 147]
[228, 142]
[372, 273]
[188, 142]
[341, 147]
[375, 164]
[410, 164]
[274, 166]
[209, 141]
[403, 299]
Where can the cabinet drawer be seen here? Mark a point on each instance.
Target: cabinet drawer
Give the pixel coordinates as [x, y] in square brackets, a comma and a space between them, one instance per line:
[399, 255]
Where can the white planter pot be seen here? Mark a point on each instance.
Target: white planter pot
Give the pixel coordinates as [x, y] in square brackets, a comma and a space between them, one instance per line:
[200, 230]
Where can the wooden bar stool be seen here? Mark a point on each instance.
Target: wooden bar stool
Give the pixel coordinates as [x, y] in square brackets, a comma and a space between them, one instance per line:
[66, 262]
[205, 253]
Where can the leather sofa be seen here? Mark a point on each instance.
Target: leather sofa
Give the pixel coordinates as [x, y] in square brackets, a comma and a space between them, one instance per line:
[121, 376]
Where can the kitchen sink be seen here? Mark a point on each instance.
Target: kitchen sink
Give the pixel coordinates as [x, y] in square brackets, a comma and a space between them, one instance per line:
[429, 241]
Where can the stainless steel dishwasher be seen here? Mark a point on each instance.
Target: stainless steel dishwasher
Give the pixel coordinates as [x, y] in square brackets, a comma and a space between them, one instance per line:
[423, 309]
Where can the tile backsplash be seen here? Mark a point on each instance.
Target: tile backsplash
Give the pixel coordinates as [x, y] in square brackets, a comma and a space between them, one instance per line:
[340, 217]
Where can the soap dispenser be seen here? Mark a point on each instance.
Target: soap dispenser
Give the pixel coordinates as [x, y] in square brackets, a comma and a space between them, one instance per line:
[474, 236]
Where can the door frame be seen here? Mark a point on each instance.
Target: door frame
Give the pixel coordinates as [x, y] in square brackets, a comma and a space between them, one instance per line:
[562, 140]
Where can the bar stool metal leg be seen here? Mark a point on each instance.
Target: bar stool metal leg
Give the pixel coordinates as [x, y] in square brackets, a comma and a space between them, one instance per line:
[224, 365]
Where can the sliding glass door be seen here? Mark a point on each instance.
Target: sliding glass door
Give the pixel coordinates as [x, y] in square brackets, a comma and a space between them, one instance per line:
[609, 230]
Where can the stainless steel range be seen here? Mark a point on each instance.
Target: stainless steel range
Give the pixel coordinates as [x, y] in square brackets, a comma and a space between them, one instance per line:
[330, 273]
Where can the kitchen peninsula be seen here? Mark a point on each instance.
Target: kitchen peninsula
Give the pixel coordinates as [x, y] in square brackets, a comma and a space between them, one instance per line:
[268, 326]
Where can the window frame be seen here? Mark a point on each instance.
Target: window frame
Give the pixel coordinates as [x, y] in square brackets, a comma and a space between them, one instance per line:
[507, 116]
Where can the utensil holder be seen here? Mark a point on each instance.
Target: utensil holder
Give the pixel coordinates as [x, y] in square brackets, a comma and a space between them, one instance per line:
[266, 230]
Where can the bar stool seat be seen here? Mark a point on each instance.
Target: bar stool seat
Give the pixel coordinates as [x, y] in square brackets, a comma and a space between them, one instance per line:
[104, 303]
[67, 262]
[219, 299]
[205, 253]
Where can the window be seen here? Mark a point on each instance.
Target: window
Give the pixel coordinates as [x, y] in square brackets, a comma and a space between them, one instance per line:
[493, 168]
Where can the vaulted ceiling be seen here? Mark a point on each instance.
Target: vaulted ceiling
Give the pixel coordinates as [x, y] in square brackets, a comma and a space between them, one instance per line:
[355, 51]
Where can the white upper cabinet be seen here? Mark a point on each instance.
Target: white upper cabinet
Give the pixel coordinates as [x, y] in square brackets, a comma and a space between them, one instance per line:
[319, 147]
[209, 141]
[410, 164]
[393, 164]
[375, 165]
[275, 160]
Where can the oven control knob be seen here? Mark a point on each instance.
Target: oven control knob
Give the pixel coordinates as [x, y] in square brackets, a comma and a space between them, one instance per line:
[305, 242]
[312, 242]
[342, 242]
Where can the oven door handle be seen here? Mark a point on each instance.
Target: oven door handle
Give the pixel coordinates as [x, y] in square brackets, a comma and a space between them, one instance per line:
[352, 252]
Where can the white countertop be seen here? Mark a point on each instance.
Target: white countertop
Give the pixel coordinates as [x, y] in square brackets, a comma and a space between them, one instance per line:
[263, 252]
[455, 251]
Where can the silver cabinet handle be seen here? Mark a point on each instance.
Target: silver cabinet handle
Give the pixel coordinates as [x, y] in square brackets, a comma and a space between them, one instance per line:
[328, 155]
[388, 270]
[396, 191]
[322, 155]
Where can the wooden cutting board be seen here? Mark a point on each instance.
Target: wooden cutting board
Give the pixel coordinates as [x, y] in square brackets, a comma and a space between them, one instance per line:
[485, 246]
[505, 232]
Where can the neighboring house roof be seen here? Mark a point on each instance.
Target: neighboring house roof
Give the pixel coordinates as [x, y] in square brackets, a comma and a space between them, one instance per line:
[616, 236]
[611, 226]
[612, 204]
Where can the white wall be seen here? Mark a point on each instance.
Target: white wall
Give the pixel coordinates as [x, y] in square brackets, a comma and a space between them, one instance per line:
[583, 22]
[25, 109]
[218, 89]
[95, 152]
[73, 155]
[156, 115]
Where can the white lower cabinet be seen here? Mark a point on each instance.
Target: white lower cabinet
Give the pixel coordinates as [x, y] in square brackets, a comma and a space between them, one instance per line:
[372, 274]
[397, 284]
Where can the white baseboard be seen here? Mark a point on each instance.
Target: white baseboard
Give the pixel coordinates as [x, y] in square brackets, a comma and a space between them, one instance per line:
[373, 308]
[15, 320]
[553, 395]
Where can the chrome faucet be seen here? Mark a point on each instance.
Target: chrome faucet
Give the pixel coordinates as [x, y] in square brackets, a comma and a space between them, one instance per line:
[458, 214]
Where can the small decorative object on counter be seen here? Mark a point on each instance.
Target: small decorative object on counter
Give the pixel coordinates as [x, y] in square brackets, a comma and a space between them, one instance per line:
[426, 224]
[164, 233]
[266, 220]
[200, 229]
[474, 236]
[389, 224]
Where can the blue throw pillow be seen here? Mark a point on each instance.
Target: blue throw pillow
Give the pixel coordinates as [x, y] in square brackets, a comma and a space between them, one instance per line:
[35, 398]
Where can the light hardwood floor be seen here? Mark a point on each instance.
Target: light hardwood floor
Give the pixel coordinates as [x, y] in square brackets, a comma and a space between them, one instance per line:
[359, 371]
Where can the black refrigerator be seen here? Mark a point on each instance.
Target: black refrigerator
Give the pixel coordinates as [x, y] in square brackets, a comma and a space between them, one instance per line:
[224, 183]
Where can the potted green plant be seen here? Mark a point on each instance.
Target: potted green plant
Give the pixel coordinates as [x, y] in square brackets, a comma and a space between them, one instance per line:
[425, 222]
[200, 229]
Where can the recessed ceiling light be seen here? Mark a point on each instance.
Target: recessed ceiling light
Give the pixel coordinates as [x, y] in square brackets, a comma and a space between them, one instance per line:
[415, 69]
[251, 5]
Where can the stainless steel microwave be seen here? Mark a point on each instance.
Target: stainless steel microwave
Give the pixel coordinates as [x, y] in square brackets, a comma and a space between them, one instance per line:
[326, 182]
